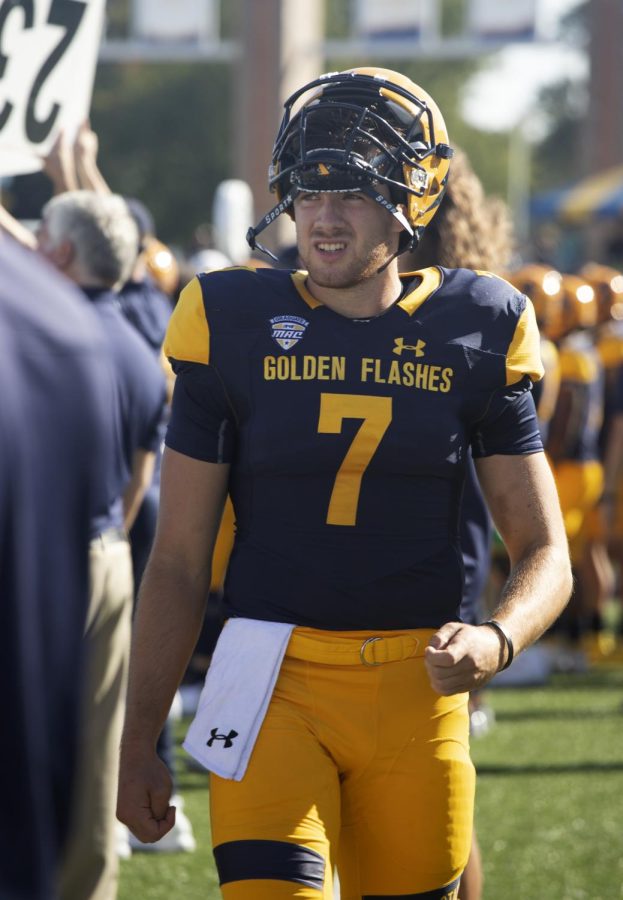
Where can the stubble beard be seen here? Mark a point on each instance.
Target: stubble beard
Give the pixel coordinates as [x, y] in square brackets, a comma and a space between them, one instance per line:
[357, 272]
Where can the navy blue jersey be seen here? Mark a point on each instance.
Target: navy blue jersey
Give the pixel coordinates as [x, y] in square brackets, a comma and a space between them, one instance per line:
[582, 387]
[55, 428]
[348, 438]
[141, 395]
[148, 309]
[609, 343]
[617, 398]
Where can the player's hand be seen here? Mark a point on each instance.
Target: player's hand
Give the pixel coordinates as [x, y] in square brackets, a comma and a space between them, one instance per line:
[460, 658]
[145, 788]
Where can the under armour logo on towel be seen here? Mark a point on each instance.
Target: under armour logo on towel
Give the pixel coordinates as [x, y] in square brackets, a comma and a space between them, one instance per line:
[227, 738]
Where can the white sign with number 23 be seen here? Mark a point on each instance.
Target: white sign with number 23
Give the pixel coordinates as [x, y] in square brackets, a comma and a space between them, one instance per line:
[48, 54]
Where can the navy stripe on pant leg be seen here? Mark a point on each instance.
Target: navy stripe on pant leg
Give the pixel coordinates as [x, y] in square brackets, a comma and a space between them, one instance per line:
[449, 892]
[278, 860]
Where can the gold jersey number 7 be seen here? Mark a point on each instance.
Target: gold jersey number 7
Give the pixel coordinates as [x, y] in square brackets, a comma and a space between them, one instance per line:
[376, 415]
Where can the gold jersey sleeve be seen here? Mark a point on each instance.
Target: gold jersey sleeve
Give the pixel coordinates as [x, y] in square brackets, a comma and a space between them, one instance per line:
[524, 353]
[188, 334]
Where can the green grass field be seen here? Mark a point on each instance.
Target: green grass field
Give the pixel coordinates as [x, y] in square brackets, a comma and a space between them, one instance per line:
[549, 801]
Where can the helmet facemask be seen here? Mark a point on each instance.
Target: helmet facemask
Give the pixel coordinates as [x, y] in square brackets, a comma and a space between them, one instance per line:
[355, 133]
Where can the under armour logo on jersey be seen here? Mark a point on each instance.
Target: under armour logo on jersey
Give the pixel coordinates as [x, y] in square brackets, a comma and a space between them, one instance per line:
[228, 739]
[288, 330]
[418, 348]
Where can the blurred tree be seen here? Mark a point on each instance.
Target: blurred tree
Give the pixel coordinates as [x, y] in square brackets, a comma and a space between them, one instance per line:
[444, 80]
[165, 129]
[118, 18]
[563, 104]
[556, 160]
[164, 135]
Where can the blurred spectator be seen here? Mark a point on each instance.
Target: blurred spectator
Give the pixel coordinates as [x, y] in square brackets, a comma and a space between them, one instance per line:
[573, 447]
[206, 260]
[56, 420]
[92, 239]
[288, 257]
[543, 285]
[146, 301]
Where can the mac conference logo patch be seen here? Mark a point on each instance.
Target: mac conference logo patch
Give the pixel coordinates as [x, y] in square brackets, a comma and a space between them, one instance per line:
[287, 330]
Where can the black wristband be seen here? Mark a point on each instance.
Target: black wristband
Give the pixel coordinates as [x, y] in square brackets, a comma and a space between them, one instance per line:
[510, 650]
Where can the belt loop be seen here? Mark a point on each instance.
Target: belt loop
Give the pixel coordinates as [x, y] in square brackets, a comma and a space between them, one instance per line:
[362, 651]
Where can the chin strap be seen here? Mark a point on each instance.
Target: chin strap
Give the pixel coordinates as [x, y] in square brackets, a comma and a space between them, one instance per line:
[279, 208]
[414, 234]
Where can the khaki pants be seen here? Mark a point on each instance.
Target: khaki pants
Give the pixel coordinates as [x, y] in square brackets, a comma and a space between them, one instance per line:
[90, 869]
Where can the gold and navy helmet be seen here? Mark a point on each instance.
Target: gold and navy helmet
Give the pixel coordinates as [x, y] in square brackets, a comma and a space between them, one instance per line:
[162, 265]
[608, 286]
[357, 130]
[543, 285]
[579, 307]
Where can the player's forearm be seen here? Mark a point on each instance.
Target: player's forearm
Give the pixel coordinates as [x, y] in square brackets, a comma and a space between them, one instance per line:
[167, 624]
[462, 658]
[535, 594]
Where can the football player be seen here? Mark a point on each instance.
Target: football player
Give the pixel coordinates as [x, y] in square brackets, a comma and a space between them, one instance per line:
[608, 286]
[573, 447]
[543, 285]
[336, 405]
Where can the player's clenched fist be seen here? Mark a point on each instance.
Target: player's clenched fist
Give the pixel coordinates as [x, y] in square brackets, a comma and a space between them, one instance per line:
[461, 658]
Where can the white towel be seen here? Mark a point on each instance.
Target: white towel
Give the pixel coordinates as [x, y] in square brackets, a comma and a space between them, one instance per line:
[236, 694]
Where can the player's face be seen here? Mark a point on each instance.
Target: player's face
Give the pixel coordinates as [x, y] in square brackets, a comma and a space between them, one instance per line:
[343, 239]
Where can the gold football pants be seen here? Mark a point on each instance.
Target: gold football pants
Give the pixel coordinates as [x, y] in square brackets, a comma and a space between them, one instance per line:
[579, 485]
[359, 764]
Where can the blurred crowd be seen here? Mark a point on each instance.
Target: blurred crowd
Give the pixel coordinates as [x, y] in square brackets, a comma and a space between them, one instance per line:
[580, 408]
[86, 300]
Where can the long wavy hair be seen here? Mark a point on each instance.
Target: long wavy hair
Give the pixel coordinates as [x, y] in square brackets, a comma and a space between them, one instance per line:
[470, 230]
